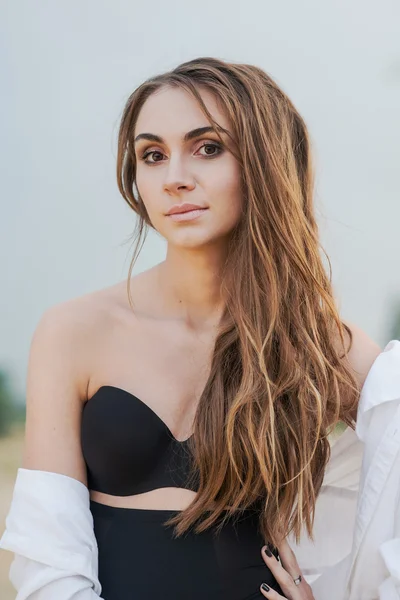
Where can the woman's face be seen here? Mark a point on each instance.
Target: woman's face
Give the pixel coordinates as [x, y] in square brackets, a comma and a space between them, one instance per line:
[173, 169]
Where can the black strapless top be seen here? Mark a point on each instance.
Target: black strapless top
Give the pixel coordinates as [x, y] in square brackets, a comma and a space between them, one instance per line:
[127, 447]
[129, 450]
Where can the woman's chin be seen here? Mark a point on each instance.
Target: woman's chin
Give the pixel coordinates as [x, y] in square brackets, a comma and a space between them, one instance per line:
[192, 241]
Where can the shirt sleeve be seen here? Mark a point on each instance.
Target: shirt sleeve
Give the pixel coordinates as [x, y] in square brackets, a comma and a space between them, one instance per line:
[325, 560]
[381, 432]
[369, 542]
[390, 552]
[49, 528]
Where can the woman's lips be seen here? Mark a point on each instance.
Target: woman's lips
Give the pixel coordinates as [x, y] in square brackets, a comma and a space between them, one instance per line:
[188, 215]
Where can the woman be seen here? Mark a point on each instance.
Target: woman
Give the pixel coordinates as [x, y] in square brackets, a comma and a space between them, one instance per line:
[194, 401]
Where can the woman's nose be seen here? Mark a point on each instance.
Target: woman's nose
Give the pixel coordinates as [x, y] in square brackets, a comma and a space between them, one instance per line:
[178, 177]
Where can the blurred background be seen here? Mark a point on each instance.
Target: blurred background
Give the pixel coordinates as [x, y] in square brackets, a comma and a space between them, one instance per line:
[67, 69]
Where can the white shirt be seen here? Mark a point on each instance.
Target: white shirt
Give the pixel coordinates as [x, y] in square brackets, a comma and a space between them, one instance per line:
[356, 553]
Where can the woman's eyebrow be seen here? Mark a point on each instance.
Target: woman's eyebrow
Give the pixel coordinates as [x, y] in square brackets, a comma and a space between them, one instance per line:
[190, 135]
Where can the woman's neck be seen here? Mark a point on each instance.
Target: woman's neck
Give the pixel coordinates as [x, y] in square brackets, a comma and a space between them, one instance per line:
[190, 286]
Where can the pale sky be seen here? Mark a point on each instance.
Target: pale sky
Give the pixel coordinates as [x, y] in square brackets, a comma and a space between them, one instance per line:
[67, 70]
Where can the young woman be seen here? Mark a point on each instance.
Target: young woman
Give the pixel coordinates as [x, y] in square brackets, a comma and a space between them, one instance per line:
[194, 401]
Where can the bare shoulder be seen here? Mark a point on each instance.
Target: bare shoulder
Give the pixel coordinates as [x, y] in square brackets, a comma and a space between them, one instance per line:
[70, 327]
[58, 373]
[79, 315]
[362, 352]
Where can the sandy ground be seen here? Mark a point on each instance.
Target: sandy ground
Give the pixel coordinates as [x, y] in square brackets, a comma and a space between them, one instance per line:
[10, 459]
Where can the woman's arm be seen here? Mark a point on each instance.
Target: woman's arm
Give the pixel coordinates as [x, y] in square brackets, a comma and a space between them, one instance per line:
[361, 355]
[56, 387]
[49, 526]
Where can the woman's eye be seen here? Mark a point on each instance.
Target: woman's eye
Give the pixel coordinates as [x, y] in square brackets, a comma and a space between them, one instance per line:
[210, 150]
[215, 149]
[154, 152]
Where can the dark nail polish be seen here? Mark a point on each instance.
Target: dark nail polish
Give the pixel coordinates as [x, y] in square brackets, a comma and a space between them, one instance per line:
[273, 550]
[265, 587]
[268, 552]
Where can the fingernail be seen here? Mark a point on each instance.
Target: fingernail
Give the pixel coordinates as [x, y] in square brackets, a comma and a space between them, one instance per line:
[268, 551]
[265, 587]
[273, 550]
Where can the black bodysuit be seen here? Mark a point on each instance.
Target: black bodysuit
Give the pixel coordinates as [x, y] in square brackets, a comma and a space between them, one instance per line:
[129, 450]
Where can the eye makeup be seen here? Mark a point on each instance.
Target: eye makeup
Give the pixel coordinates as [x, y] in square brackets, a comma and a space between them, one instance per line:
[208, 144]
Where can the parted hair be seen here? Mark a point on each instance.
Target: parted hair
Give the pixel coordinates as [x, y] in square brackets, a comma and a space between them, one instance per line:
[280, 379]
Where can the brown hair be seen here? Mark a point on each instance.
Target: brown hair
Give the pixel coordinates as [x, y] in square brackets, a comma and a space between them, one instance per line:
[278, 382]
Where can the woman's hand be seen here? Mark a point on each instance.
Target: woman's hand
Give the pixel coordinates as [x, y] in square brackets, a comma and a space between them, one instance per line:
[285, 572]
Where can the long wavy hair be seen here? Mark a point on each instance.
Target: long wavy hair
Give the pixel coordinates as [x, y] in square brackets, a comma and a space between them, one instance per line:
[279, 379]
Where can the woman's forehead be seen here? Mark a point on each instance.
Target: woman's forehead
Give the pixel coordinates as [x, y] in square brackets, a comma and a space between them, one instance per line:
[173, 111]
